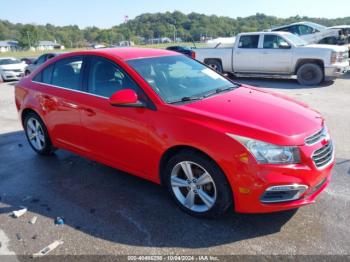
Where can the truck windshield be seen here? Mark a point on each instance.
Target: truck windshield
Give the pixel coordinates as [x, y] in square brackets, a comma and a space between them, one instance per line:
[296, 40]
[179, 78]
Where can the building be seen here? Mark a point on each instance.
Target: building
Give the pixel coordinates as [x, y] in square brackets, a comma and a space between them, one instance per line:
[8, 45]
[48, 45]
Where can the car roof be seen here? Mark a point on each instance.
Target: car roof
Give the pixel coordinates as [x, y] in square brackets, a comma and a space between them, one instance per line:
[128, 53]
[12, 58]
[267, 32]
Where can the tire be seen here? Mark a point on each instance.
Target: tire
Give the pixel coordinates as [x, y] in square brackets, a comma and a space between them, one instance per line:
[37, 135]
[27, 73]
[206, 195]
[216, 65]
[310, 74]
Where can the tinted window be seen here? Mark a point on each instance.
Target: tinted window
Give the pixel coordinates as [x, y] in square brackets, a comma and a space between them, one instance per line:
[67, 73]
[273, 41]
[106, 78]
[45, 75]
[248, 41]
[305, 30]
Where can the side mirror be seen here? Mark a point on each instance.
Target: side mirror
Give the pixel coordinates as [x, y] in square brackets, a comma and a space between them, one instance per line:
[125, 97]
[284, 45]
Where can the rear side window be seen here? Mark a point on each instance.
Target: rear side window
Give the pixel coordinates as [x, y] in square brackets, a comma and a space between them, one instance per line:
[248, 41]
[45, 75]
[67, 73]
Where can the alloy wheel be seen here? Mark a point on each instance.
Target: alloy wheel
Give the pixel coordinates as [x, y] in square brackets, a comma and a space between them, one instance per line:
[35, 134]
[193, 186]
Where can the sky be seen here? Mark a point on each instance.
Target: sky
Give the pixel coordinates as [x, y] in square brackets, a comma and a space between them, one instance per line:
[107, 13]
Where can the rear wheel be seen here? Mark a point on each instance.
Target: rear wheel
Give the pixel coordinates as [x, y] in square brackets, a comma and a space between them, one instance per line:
[310, 74]
[216, 65]
[37, 135]
[197, 185]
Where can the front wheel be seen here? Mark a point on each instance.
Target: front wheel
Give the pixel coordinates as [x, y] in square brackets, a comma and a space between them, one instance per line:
[310, 74]
[37, 135]
[197, 185]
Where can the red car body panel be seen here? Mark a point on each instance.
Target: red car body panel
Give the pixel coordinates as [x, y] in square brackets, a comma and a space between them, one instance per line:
[135, 139]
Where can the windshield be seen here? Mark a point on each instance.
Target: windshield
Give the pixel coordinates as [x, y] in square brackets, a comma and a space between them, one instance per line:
[179, 78]
[296, 40]
[318, 26]
[9, 61]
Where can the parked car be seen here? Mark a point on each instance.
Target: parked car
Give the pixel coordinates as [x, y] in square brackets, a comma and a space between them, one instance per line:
[27, 60]
[182, 49]
[160, 115]
[39, 61]
[11, 68]
[277, 55]
[312, 33]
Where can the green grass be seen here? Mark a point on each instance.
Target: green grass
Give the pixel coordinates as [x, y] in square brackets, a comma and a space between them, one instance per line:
[21, 54]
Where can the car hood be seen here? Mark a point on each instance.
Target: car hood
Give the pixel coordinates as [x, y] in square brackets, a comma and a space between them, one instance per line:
[260, 114]
[334, 48]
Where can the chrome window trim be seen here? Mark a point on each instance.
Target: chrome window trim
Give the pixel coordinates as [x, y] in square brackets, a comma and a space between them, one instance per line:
[69, 89]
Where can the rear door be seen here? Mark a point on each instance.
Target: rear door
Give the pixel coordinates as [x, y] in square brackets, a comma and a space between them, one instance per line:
[246, 55]
[61, 96]
[276, 55]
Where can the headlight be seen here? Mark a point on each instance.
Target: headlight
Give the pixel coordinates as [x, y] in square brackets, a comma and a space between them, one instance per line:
[339, 57]
[269, 153]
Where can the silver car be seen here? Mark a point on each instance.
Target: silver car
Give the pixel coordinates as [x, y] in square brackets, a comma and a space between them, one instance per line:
[11, 68]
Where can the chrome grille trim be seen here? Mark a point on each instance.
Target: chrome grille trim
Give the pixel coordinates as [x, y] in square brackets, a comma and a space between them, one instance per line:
[324, 156]
[316, 137]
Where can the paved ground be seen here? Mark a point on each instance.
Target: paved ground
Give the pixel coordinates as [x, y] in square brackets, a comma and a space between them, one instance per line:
[108, 212]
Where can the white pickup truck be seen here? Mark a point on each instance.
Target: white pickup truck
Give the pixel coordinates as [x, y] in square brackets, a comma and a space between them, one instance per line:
[277, 55]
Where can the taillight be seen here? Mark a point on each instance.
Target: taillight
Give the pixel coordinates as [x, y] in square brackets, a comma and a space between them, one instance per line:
[193, 55]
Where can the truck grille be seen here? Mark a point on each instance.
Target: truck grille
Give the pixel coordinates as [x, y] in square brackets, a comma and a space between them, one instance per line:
[323, 156]
[313, 139]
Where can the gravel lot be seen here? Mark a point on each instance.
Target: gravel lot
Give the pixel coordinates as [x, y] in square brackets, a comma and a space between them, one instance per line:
[109, 212]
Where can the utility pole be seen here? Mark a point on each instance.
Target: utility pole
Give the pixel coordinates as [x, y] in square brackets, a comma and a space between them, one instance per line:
[174, 33]
[30, 46]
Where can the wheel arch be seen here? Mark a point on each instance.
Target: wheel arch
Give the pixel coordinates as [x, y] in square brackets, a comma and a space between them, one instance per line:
[174, 150]
[207, 60]
[303, 61]
[27, 111]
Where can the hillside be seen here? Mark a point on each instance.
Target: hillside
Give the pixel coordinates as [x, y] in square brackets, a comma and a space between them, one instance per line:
[188, 27]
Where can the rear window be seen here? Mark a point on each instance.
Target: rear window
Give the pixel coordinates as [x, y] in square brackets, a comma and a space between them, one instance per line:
[248, 41]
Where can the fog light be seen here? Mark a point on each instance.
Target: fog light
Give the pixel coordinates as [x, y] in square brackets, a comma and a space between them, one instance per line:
[283, 193]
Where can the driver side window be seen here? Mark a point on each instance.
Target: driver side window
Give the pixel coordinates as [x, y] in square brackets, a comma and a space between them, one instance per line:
[106, 78]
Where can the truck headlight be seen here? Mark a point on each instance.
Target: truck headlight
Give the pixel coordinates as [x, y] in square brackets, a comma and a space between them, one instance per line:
[339, 57]
[266, 153]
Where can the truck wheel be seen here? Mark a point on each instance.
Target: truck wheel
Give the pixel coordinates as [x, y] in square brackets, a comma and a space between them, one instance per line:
[310, 74]
[216, 65]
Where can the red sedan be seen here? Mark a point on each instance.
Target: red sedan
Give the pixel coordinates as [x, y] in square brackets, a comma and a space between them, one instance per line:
[165, 117]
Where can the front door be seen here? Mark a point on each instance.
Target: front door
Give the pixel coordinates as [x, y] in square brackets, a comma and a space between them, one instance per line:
[118, 135]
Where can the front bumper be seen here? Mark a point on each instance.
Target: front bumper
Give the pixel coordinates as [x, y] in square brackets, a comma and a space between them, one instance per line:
[12, 75]
[336, 70]
[255, 179]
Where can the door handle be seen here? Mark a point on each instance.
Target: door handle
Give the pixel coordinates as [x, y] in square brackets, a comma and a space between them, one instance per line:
[89, 112]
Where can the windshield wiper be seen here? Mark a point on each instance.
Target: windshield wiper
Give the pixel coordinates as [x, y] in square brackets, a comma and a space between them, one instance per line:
[187, 99]
[220, 90]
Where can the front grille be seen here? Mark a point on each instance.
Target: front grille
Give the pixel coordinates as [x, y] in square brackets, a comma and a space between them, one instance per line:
[323, 156]
[313, 139]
